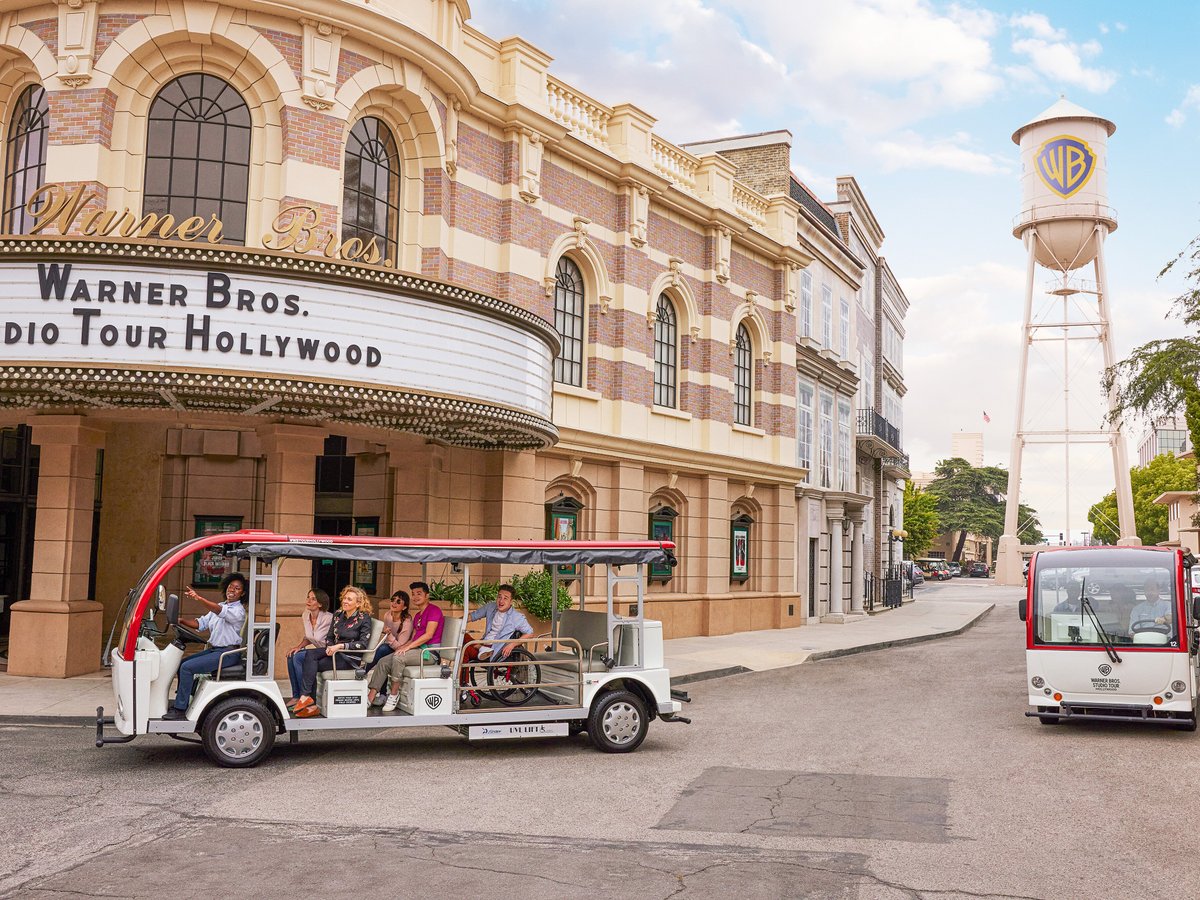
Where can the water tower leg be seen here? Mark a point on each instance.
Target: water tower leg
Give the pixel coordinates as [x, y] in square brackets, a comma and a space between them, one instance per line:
[1008, 558]
[1125, 517]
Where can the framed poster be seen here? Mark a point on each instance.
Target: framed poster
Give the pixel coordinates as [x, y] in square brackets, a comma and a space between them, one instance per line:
[212, 564]
[662, 528]
[364, 571]
[739, 549]
[562, 524]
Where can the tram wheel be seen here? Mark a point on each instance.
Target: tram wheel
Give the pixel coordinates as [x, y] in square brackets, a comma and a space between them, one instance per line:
[617, 722]
[238, 732]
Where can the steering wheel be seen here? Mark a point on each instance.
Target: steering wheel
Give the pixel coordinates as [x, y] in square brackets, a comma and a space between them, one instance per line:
[1142, 625]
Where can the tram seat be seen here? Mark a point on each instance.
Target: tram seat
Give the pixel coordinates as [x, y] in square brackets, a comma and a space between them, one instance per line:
[452, 632]
[590, 629]
[233, 667]
[345, 669]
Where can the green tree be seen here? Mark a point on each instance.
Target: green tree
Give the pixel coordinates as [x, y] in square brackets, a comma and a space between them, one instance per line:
[1161, 474]
[920, 520]
[1162, 378]
[970, 499]
[1029, 527]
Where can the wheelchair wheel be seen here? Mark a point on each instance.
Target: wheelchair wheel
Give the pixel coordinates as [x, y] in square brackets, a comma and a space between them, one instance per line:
[513, 684]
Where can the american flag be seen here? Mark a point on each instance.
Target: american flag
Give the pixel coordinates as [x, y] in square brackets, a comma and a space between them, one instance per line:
[986, 417]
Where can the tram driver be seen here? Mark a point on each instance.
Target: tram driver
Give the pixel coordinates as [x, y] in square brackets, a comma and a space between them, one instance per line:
[1153, 609]
[223, 622]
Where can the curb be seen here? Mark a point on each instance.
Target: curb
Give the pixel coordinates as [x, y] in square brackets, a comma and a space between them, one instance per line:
[819, 655]
[50, 721]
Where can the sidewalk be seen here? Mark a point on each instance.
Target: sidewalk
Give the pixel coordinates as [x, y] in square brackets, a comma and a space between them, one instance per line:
[940, 610]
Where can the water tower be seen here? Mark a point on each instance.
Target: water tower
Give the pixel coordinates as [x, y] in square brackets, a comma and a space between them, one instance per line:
[1064, 220]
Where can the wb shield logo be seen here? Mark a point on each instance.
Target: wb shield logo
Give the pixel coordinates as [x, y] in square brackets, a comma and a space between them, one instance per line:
[1106, 670]
[1065, 164]
[433, 701]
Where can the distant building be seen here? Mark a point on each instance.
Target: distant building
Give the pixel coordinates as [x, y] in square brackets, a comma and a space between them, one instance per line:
[968, 445]
[1167, 435]
[1182, 507]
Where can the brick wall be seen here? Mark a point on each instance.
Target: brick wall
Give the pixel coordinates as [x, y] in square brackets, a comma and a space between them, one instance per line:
[763, 169]
[313, 137]
[81, 116]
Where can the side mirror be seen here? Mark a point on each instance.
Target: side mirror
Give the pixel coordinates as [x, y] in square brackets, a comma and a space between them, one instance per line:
[172, 609]
[160, 598]
[1023, 608]
[1196, 609]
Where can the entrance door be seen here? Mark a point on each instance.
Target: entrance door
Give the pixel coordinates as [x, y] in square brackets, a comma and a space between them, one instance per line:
[18, 506]
[331, 575]
[814, 560]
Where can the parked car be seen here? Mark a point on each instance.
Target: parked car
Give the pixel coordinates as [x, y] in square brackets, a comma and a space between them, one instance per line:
[955, 570]
[978, 570]
[912, 572]
[935, 569]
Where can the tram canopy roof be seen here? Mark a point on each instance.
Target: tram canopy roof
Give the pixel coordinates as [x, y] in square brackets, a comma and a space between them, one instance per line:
[520, 553]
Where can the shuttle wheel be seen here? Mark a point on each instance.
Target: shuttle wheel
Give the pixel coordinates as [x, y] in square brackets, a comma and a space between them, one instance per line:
[617, 722]
[238, 732]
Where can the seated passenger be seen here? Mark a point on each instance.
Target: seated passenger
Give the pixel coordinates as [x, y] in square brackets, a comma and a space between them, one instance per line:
[1153, 609]
[1123, 600]
[317, 620]
[427, 624]
[397, 628]
[223, 622]
[350, 630]
[1070, 605]
[503, 621]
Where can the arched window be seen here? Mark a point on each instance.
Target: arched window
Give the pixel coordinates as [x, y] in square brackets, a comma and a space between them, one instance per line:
[371, 186]
[666, 349]
[743, 375]
[568, 321]
[25, 157]
[198, 153]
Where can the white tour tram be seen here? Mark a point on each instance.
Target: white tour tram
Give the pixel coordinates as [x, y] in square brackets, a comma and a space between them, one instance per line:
[1111, 634]
[597, 670]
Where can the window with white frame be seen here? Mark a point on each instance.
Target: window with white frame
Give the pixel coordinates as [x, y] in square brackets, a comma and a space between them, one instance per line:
[826, 317]
[844, 330]
[666, 352]
[893, 345]
[568, 322]
[806, 303]
[804, 427]
[743, 376]
[826, 440]
[845, 475]
[866, 383]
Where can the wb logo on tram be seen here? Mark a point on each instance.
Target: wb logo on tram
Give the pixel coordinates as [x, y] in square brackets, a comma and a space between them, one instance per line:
[1106, 670]
[433, 701]
[1065, 164]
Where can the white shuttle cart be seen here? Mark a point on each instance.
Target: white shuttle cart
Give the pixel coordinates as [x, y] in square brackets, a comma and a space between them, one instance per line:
[1111, 635]
[599, 670]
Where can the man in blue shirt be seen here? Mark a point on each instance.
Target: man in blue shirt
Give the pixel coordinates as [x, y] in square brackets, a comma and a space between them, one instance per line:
[1152, 609]
[503, 621]
[223, 622]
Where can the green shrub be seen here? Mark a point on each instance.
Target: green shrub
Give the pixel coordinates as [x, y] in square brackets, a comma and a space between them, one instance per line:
[451, 592]
[533, 593]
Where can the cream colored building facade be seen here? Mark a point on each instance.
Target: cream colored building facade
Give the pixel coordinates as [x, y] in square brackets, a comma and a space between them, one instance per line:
[373, 271]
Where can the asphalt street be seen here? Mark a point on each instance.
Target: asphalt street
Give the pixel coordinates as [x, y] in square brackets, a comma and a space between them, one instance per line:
[907, 772]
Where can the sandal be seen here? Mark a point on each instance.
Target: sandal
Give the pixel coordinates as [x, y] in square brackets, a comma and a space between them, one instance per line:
[309, 711]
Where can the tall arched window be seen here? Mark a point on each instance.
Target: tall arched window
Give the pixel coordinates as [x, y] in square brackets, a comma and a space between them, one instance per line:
[25, 157]
[371, 186]
[666, 349]
[568, 321]
[743, 376]
[198, 153]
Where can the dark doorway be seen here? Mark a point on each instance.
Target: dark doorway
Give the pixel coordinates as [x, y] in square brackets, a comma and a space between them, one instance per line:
[334, 506]
[814, 560]
[18, 507]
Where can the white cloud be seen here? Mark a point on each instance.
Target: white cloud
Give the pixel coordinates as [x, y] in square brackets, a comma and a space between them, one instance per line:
[1191, 100]
[1063, 63]
[1039, 26]
[909, 150]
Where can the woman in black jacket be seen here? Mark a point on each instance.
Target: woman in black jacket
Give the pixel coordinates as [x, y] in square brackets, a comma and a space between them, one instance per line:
[351, 630]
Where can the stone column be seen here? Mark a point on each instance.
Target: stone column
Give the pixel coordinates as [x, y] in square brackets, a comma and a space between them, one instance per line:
[836, 549]
[56, 633]
[291, 452]
[857, 550]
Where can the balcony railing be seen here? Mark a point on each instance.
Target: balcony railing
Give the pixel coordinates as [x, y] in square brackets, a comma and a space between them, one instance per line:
[871, 423]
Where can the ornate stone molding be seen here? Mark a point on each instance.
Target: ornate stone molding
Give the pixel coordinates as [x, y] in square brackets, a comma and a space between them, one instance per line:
[453, 107]
[76, 40]
[639, 214]
[322, 48]
[530, 149]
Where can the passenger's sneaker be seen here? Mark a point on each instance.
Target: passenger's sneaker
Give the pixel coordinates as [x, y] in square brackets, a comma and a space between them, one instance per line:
[393, 701]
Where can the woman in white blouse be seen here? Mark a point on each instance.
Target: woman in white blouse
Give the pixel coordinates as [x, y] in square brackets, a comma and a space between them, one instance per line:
[317, 620]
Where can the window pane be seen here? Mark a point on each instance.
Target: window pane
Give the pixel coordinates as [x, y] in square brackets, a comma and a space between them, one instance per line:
[25, 156]
[371, 186]
[198, 153]
[568, 321]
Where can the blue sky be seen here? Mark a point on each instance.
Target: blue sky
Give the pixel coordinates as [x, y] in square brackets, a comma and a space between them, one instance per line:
[918, 100]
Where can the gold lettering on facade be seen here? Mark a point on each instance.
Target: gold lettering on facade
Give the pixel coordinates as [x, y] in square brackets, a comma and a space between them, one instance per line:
[294, 230]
